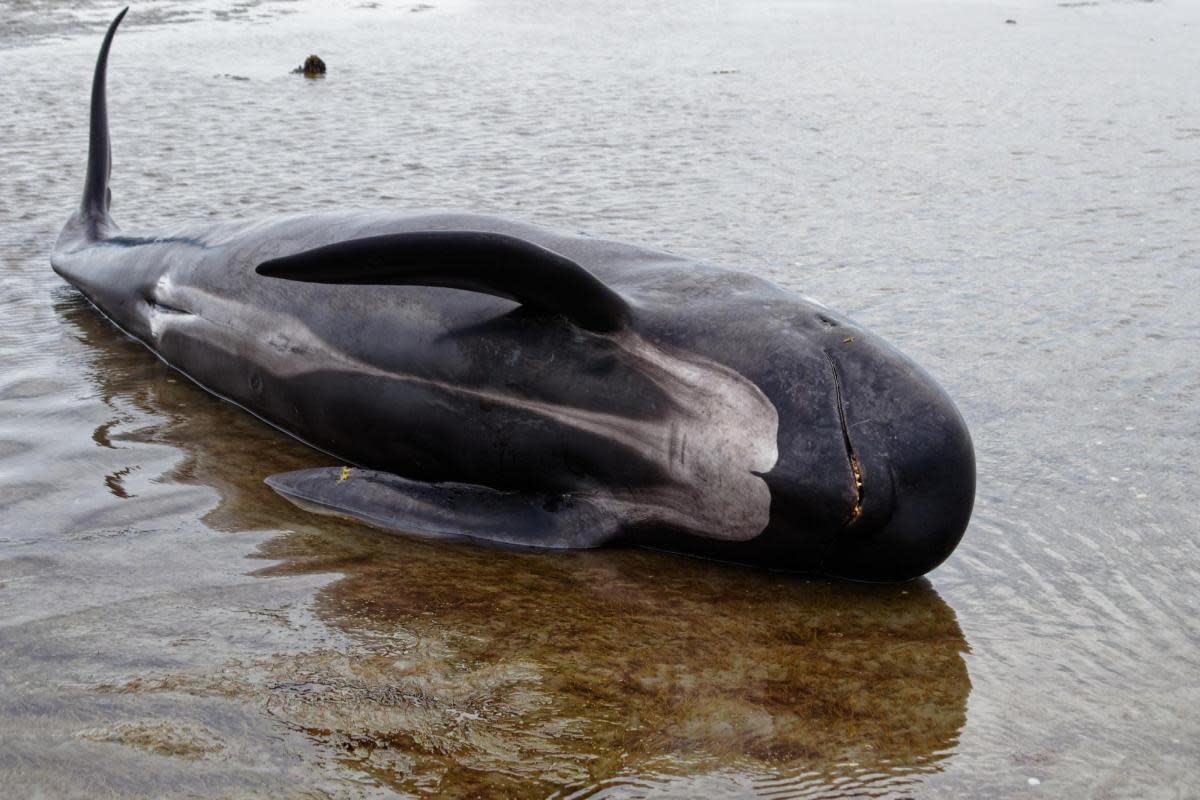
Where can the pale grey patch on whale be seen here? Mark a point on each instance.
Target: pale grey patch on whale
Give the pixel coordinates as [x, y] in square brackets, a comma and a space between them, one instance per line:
[715, 442]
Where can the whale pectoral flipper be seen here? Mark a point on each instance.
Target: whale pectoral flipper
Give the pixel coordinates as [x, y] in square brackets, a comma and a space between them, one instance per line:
[575, 520]
[476, 261]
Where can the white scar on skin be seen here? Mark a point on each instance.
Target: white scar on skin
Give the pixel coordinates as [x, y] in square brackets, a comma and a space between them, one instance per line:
[720, 432]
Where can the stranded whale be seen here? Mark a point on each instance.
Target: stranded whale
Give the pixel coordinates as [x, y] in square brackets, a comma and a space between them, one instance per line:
[497, 381]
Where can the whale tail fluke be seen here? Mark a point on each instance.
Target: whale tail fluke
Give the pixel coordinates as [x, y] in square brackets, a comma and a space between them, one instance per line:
[96, 195]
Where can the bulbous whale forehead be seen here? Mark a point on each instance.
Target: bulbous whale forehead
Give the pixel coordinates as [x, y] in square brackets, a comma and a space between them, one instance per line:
[916, 464]
[904, 483]
[875, 474]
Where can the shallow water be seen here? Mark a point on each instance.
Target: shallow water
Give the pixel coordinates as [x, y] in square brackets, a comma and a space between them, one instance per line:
[1016, 206]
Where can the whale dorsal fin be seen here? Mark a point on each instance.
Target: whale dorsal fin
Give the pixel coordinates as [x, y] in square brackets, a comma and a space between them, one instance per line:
[477, 261]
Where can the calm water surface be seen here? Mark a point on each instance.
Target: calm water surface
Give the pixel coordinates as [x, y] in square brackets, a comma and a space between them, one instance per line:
[1016, 206]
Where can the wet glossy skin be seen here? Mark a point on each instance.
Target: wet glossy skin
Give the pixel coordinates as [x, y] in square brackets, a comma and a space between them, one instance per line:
[813, 445]
[337, 366]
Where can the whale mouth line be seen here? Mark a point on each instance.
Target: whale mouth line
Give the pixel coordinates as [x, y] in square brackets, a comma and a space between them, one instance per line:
[856, 510]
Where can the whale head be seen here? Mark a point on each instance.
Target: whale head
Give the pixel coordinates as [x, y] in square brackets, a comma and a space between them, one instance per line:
[876, 468]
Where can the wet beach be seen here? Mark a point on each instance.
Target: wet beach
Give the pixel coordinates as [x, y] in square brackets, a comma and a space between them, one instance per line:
[1015, 206]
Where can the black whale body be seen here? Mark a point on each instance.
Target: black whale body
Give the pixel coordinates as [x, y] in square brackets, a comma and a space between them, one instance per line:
[498, 381]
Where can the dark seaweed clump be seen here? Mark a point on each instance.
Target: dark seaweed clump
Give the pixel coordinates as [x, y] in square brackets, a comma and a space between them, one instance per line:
[313, 67]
